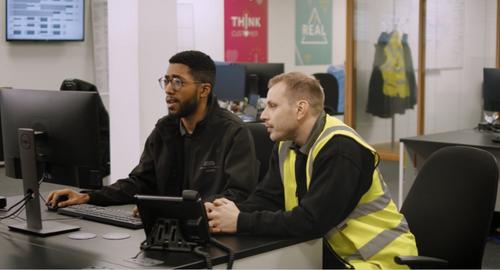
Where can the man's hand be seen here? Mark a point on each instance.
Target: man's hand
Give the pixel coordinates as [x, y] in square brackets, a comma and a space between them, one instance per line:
[73, 198]
[222, 215]
[135, 212]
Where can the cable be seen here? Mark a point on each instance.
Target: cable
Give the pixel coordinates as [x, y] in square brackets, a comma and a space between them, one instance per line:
[44, 176]
[26, 196]
[137, 255]
[205, 255]
[17, 211]
[230, 252]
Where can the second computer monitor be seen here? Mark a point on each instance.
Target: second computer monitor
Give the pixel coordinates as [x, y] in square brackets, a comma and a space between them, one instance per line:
[262, 72]
[230, 82]
[491, 89]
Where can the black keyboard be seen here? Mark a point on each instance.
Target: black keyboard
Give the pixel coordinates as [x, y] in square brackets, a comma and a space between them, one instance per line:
[107, 215]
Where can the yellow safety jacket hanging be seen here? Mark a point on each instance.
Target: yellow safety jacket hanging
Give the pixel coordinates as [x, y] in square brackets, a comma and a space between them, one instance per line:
[375, 232]
[394, 70]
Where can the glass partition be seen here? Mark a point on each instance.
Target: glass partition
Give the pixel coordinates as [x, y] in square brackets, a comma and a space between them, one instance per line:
[460, 42]
[386, 42]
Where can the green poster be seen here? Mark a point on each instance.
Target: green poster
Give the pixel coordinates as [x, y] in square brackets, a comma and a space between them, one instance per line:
[313, 32]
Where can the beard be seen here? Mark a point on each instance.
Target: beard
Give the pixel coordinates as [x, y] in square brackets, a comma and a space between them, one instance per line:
[186, 108]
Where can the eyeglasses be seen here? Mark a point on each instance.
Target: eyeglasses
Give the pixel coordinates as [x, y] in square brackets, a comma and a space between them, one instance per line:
[176, 83]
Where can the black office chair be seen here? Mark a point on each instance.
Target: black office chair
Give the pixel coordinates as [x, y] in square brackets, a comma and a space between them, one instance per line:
[81, 85]
[449, 208]
[263, 146]
[331, 89]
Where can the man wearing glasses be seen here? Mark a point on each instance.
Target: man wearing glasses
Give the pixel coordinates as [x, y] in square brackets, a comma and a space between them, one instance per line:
[196, 146]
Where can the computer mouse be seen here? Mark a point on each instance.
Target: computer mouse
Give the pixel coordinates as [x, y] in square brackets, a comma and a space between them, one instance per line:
[60, 198]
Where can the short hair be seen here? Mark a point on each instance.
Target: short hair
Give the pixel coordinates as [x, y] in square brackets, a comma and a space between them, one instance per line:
[300, 86]
[201, 66]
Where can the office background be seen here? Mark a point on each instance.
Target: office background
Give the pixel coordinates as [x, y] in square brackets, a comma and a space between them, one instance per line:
[142, 35]
[125, 54]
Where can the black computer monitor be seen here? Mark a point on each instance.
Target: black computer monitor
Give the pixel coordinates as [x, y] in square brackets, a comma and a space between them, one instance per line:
[50, 136]
[230, 82]
[81, 85]
[491, 89]
[263, 73]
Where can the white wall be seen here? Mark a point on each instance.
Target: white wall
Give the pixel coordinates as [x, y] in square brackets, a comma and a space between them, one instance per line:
[123, 36]
[157, 43]
[142, 37]
[453, 96]
[201, 22]
[44, 65]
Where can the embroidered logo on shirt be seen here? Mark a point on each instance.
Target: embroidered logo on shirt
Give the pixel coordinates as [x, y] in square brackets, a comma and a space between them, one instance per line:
[208, 166]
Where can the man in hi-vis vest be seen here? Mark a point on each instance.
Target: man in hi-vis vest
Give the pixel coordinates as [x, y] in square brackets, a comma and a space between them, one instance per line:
[322, 181]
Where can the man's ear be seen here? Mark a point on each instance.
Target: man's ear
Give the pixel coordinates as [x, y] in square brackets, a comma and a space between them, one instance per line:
[302, 109]
[206, 88]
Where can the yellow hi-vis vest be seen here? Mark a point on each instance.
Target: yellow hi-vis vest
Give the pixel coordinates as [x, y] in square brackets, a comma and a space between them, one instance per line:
[393, 69]
[375, 232]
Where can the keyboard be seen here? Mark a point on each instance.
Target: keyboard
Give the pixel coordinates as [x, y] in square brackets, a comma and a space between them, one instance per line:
[106, 215]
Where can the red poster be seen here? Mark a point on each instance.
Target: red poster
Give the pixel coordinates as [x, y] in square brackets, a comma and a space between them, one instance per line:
[245, 30]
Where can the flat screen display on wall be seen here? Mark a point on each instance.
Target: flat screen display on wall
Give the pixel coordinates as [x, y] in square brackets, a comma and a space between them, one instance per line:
[45, 20]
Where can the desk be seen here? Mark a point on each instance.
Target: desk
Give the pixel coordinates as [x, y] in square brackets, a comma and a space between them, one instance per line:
[414, 151]
[18, 250]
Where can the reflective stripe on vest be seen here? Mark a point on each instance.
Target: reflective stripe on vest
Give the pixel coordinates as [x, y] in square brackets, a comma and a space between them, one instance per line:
[364, 209]
[372, 202]
[381, 240]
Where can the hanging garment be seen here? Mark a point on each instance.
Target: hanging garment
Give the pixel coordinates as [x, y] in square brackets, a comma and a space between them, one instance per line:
[392, 86]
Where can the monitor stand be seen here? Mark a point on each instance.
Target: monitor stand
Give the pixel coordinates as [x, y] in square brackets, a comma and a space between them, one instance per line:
[34, 223]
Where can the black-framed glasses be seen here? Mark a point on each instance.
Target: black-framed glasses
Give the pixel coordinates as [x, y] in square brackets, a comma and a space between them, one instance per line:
[177, 83]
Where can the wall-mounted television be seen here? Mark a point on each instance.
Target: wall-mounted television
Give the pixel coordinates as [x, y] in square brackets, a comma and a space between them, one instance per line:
[45, 20]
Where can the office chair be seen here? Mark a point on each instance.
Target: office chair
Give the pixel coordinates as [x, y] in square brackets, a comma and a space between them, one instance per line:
[81, 85]
[331, 89]
[263, 146]
[449, 208]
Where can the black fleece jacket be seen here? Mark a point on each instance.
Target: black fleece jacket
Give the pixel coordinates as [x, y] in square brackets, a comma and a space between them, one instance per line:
[220, 161]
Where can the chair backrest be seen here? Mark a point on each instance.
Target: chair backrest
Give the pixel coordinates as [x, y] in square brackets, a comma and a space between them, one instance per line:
[331, 89]
[263, 146]
[450, 205]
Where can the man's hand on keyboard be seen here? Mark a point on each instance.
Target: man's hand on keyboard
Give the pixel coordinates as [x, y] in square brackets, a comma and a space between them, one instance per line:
[73, 198]
[135, 212]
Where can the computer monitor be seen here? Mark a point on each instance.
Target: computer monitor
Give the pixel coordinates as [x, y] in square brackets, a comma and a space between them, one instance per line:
[263, 72]
[230, 82]
[50, 136]
[45, 20]
[491, 89]
[81, 85]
